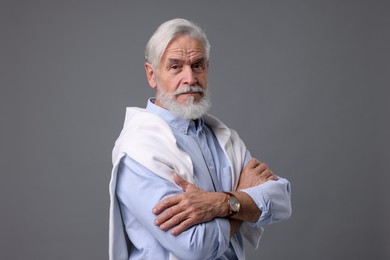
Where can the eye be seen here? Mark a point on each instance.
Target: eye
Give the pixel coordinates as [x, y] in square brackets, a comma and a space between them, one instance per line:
[198, 67]
[175, 66]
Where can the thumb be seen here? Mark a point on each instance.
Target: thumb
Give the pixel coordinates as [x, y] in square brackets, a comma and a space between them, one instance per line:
[181, 182]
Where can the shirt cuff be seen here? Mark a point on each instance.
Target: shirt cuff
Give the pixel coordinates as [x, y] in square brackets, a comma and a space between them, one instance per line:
[273, 199]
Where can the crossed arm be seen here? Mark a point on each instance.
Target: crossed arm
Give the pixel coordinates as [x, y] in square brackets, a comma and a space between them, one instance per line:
[195, 206]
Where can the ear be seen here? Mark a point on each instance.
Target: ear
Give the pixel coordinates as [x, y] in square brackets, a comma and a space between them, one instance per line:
[150, 75]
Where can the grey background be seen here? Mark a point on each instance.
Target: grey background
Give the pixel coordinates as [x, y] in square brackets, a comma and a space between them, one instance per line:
[305, 83]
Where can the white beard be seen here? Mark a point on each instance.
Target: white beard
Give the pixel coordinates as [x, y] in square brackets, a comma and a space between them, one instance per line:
[191, 110]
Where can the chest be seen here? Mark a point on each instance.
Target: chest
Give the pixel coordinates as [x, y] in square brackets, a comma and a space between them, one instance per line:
[212, 171]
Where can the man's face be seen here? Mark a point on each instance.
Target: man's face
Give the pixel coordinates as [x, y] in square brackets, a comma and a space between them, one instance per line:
[182, 64]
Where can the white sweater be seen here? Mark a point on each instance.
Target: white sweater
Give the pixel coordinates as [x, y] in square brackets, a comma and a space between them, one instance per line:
[149, 140]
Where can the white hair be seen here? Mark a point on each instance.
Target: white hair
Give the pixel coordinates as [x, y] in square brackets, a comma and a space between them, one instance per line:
[166, 32]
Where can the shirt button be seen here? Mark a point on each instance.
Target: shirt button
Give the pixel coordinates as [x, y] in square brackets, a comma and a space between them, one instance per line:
[211, 167]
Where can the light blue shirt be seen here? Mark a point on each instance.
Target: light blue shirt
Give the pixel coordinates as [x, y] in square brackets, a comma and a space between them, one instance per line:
[139, 190]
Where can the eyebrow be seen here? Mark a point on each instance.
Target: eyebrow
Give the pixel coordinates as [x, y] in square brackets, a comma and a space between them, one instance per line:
[173, 60]
[170, 61]
[202, 60]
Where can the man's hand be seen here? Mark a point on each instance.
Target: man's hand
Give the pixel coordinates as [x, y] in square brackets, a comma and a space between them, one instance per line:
[189, 208]
[195, 206]
[254, 174]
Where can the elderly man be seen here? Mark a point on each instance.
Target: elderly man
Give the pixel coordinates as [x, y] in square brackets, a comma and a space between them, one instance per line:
[183, 184]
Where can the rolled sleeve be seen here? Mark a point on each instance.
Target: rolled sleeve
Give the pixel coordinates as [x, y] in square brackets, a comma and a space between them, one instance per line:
[273, 198]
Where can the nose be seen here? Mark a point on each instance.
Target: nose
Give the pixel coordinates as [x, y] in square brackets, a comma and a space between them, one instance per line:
[189, 76]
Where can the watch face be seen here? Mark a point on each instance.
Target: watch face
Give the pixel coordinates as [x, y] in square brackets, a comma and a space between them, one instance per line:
[234, 204]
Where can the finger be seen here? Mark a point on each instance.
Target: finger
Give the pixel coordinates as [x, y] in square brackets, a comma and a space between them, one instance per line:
[261, 168]
[180, 181]
[253, 163]
[166, 215]
[165, 204]
[272, 177]
[173, 221]
[266, 174]
[183, 226]
[185, 185]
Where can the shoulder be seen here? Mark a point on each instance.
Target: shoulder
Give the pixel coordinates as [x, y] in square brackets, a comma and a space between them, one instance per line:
[141, 130]
[143, 127]
[139, 117]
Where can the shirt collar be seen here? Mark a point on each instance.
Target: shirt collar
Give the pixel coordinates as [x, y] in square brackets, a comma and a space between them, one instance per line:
[174, 121]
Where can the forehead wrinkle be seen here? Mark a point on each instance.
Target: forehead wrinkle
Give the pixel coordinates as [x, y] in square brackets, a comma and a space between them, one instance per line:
[180, 54]
[184, 47]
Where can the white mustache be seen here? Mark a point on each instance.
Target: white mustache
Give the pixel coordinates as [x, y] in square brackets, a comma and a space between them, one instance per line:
[187, 88]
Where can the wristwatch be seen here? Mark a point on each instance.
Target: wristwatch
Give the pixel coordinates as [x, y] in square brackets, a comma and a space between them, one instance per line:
[233, 203]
